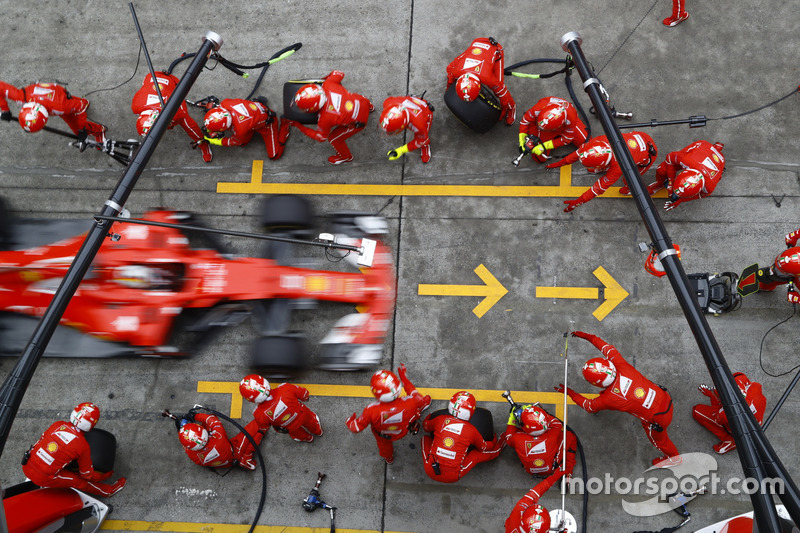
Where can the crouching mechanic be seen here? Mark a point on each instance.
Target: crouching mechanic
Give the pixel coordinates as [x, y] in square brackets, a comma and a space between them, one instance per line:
[147, 105]
[411, 113]
[46, 463]
[691, 173]
[341, 114]
[392, 416]
[482, 64]
[596, 155]
[538, 439]
[281, 408]
[553, 122]
[456, 446]
[713, 418]
[243, 118]
[206, 442]
[40, 100]
[626, 390]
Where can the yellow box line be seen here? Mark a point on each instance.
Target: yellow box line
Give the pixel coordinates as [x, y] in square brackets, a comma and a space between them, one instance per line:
[362, 391]
[193, 527]
[564, 189]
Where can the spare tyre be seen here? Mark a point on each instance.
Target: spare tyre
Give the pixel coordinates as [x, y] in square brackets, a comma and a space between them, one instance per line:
[290, 110]
[480, 115]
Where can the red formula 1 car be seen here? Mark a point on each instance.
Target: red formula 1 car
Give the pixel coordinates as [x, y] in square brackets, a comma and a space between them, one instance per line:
[145, 278]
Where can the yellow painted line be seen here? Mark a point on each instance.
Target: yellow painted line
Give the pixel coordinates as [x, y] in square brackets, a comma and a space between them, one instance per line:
[564, 189]
[364, 391]
[492, 289]
[192, 527]
[613, 293]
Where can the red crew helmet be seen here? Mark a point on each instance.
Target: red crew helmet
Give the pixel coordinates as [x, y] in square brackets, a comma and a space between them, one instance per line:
[217, 122]
[468, 86]
[552, 117]
[688, 183]
[535, 519]
[599, 372]
[385, 386]
[394, 119]
[145, 121]
[595, 155]
[310, 98]
[33, 116]
[462, 405]
[254, 388]
[193, 436]
[533, 420]
[85, 416]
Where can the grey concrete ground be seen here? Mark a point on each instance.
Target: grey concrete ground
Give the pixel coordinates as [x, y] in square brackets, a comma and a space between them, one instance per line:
[720, 62]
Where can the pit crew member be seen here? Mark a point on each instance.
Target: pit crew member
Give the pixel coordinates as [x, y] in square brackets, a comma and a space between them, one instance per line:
[392, 416]
[554, 123]
[341, 114]
[712, 417]
[482, 64]
[206, 442]
[597, 157]
[147, 105]
[456, 446]
[785, 269]
[40, 100]
[280, 408]
[691, 173]
[626, 390]
[538, 439]
[408, 113]
[46, 463]
[243, 118]
[679, 13]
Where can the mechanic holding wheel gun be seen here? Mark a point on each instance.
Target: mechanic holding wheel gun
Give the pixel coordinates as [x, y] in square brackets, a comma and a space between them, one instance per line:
[538, 439]
[243, 118]
[411, 113]
[456, 445]
[147, 105]
[281, 408]
[626, 390]
[392, 416]
[482, 64]
[205, 440]
[690, 174]
[552, 122]
[40, 100]
[341, 114]
[45, 464]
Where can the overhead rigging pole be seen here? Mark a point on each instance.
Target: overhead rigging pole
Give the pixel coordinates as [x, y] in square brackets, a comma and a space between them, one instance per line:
[758, 458]
[13, 388]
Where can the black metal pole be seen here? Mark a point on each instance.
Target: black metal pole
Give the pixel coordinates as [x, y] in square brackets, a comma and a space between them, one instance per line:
[757, 460]
[147, 55]
[13, 388]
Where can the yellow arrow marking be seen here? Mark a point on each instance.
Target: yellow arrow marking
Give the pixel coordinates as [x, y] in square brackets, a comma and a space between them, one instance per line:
[613, 293]
[358, 391]
[564, 189]
[492, 289]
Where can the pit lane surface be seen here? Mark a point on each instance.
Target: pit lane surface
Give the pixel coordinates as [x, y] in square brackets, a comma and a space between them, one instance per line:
[716, 63]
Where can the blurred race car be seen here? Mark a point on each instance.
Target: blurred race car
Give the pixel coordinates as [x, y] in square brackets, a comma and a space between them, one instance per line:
[145, 278]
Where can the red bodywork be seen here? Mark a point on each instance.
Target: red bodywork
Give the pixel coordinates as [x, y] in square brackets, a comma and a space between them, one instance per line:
[112, 305]
[33, 510]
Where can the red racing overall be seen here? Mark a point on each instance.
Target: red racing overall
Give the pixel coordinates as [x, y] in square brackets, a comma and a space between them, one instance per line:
[249, 117]
[218, 452]
[455, 448]
[573, 131]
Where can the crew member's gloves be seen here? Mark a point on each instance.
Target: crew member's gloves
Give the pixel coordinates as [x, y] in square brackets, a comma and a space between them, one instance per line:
[100, 476]
[401, 371]
[706, 390]
[522, 138]
[669, 205]
[351, 423]
[789, 238]
[397, 153]
[539, 149]
[560, 389]
[572, 204]
[217, 142]
[5, 115]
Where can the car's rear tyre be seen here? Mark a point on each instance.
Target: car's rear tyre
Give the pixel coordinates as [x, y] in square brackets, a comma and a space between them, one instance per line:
[280, 356]
[290, 110]
[286, 211]
[480, 115]
[482, 420]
